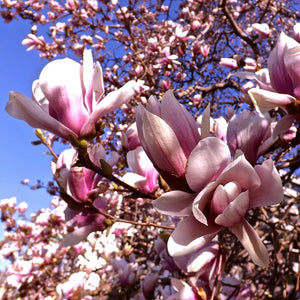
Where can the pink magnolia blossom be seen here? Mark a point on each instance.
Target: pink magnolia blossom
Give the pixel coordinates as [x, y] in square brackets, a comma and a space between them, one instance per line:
[262, 29]
[229, 63]
[225, 190]
[82, 184]
[284, 76]
[168, 134]
[144, 174]
[131, 139]
[68, 98]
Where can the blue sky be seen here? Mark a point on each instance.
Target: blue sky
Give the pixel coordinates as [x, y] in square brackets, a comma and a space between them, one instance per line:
[19, 159]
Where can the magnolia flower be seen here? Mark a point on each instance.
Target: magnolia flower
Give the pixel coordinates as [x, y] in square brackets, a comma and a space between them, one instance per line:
[130, 139]
[168, 134]
[144, 174]
[68, 98]
[262, 29]
[229, 63]
[83, 186]
[224, 191]
[284, 78]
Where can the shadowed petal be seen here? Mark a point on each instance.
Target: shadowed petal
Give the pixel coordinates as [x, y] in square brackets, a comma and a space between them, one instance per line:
[270, 191]
[242, 172]
[251, 242]
[174, 203]
[190, 235]
[264, 100]
[235, 211]
[205, 122]
[283, 125]
[206, 162]
[203, 257]
[280, 79]
[292, 64]
[201, 200]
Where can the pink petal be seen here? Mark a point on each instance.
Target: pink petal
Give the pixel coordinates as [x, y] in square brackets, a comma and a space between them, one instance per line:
[174, 203]
[154, 106]
[279, 76]
[270, 191]
[250, 135]
[110, 102]
[203, 257]
[78, 235]
[87, 78]
[21, 107]
[181, 121]
[235, 211]
[60, 81]
[292, 64]
[222, 196]
[265, 100]
[283, 125]
[201, 200]
[251, 242]
[162, 144]
[98, 85]
[242, 172]
[190, 235]
[80, 182]
[206, 162]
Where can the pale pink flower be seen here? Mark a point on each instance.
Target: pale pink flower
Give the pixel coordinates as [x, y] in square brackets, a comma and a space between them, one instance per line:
[144, 174]
[224, 191]
[32, 41]
[205, 50]
[229, 63]
[68, 98]
[284, 78]
[82, 184]
[262, 29]
[22, 207]
[131, 139]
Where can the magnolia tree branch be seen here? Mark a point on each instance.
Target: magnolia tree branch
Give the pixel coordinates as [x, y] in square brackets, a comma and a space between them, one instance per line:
[237, 29]
[106, 170]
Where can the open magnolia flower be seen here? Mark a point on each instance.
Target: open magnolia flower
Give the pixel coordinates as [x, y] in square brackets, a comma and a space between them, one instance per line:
[225, 190]
[68, 98]
[284, 77]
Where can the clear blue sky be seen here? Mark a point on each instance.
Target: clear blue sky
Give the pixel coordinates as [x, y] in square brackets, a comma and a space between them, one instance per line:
[19, 159]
